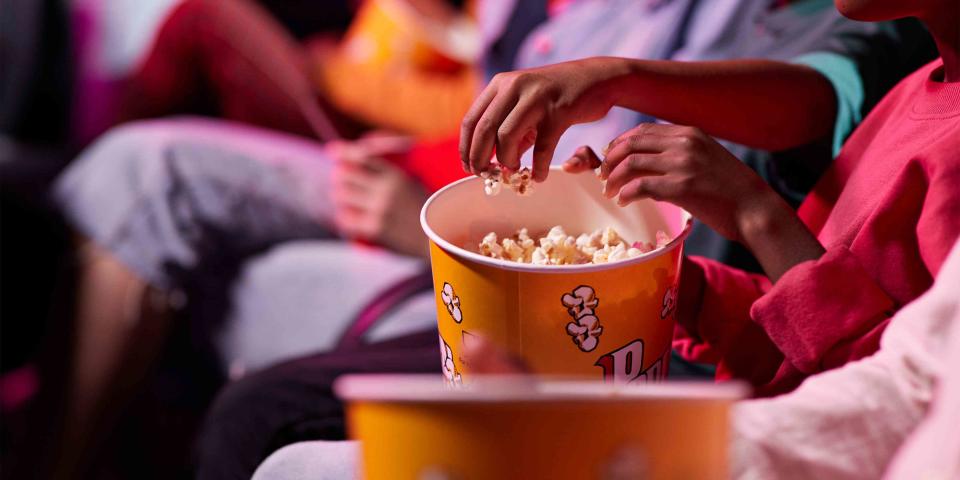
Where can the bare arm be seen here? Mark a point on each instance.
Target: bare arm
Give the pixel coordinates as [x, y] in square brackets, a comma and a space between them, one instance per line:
[760, 103]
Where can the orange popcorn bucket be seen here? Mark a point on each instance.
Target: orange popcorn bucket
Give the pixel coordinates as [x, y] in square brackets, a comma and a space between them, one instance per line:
[606, 321]
[413, 427]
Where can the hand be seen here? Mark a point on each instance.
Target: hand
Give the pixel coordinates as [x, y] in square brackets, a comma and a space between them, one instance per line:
[375, 200]
[686, 167]
[534, 107]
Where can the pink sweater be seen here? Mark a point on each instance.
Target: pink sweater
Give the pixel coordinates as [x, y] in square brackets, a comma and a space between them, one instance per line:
[887, 212]
[850, 422]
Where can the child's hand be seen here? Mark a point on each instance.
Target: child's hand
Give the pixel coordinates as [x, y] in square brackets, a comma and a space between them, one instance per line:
[686, 167]
[534, 107]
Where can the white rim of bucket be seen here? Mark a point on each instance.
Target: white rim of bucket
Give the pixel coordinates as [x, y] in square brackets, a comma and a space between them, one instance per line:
[527, 267]
[424, 388]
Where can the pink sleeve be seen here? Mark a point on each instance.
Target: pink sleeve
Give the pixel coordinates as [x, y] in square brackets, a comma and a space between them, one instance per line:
[721, 331]
[939, 224]
[824, 313]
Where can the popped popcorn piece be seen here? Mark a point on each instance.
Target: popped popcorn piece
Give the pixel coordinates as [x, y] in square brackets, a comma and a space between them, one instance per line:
[512, 249]
[491, 187]
[539, 257]
[520, 181]
[601, 256]
[610, 237]
[489, 246]
[618, 253]
[559, 248]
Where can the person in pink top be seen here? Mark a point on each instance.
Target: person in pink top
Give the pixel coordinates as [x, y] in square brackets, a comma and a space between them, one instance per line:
[896, 411]
[869, 238]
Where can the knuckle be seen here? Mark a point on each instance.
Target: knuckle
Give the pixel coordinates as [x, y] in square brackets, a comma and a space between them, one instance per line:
[685, 184]
[468, 122]
[685, 160]
[686, 142]
[519, 77]
[643, 128]
[485, 123]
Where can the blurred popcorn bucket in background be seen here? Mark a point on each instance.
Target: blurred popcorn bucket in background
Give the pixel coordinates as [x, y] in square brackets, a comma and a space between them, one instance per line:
[598, 321]
[413, 427]
[394, 32]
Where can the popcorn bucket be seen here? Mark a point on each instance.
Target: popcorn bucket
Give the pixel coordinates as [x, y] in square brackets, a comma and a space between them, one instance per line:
[413, 427]
[609, 321]
[392, 32]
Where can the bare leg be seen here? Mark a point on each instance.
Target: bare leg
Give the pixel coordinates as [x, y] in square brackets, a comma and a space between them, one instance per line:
[121, 325]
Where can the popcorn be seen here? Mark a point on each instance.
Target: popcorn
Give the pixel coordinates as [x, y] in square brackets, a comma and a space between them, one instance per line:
[520, 181]
[558, 248]
[489, 246]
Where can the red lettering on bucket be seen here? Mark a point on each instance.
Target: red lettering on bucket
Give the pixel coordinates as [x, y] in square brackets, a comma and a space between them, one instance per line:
[625, 365]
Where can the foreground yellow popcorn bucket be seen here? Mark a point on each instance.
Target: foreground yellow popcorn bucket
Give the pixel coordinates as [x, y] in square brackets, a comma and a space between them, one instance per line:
[413, 427]
[607, 321]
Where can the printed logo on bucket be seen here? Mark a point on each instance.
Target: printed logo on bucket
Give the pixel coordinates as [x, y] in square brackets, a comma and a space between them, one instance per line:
[669, 303]
[585, 328]
[450, 373]
[625, 365]
[452, 302]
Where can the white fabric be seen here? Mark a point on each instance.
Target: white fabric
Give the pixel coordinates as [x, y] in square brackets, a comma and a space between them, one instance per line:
[849, 422]
[312, 461]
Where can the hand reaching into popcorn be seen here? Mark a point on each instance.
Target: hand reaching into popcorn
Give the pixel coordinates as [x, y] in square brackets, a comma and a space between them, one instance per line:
[679, 164]
[686, 167]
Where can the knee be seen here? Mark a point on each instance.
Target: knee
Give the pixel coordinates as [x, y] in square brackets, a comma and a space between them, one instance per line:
[121, 159]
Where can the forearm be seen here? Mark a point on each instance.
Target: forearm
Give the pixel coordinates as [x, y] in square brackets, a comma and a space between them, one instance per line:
[775, 235]
[759, 103]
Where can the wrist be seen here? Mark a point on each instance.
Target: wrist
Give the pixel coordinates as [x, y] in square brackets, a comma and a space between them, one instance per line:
[761, 217]
[612, 78]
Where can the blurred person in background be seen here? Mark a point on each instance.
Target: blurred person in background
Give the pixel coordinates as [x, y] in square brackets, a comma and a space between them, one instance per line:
[406, 66]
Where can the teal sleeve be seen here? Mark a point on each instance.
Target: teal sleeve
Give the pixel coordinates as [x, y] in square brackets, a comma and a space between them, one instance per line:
[842, 73]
